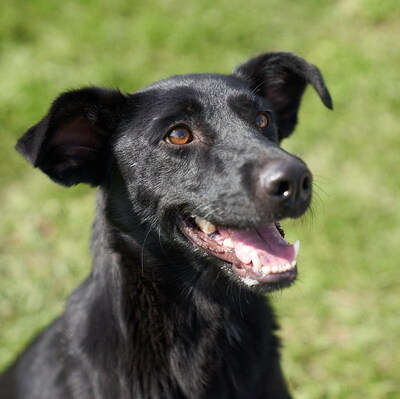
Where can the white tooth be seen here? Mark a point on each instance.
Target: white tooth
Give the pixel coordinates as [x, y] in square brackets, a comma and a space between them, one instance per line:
[293, 264]
[296, 246]
[274, 269]
[205, 225]
[228, 243]
[256, 261]
[266, 269]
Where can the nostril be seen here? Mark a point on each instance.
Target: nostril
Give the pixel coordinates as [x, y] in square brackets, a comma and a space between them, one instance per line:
[282, 189]
[306, 186]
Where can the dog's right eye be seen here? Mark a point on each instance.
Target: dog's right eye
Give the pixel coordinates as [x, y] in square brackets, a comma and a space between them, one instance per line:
[179, 136]
[262, 120]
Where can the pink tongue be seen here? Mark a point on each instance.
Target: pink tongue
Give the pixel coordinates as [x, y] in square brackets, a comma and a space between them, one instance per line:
[271, 248]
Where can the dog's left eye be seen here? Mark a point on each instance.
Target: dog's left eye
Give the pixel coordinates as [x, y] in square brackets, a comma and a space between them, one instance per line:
[262, 120]
[179, 136]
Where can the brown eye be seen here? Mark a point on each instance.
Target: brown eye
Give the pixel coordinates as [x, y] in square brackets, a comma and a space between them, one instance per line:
[179, 136]
[262, 120]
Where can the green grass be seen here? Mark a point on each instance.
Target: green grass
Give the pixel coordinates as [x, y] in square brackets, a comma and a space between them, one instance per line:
[340, 323]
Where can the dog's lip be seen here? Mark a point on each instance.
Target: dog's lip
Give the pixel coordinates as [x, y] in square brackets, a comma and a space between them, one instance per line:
[249, 271]
[205, 241]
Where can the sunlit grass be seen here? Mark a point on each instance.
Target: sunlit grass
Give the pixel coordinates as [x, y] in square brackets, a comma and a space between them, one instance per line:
[340, 322]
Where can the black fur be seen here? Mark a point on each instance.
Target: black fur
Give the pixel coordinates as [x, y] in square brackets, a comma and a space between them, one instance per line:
[157, 317]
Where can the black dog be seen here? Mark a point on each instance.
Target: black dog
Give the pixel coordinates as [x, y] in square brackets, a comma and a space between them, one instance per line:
[186, 237]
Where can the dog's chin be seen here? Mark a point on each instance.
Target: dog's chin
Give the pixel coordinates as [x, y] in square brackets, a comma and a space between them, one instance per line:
[258, 258]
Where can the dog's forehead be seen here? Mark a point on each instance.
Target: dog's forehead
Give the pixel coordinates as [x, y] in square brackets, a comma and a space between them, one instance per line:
[201, 86]
[206, 89]
[200, 81]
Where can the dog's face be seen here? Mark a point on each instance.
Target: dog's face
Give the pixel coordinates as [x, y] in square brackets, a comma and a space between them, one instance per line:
[196, 157]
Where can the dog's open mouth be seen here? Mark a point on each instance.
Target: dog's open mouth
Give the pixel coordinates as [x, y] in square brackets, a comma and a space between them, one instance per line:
[260, 255]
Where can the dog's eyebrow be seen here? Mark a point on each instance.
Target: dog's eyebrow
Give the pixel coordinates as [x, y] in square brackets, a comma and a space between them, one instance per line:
[185, 114]
[184, 100]
[175, 103]
[245, 105]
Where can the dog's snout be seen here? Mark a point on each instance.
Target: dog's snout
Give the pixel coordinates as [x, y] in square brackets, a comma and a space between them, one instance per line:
[288, 184]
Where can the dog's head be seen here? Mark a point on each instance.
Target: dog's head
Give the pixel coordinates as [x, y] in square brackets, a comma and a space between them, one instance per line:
[194, 157]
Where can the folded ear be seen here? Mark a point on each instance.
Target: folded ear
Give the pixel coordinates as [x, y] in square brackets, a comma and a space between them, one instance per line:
[70, 144]
[281, 78]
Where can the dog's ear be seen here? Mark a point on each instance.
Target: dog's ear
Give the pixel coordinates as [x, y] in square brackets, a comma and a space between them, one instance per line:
[281, 78]
[70, 144]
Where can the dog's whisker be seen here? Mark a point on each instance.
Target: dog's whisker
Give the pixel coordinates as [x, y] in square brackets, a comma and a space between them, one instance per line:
[216, 278]
[256, 88]
[319, 188]
[318, 197]
[240, 302]
[158, 229]
[322, 179]
[143, 249]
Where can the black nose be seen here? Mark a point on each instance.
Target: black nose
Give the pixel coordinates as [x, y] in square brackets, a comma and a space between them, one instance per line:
[288, 185]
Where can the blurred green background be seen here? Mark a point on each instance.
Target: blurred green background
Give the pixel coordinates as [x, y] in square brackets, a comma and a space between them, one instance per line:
[340, 322]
